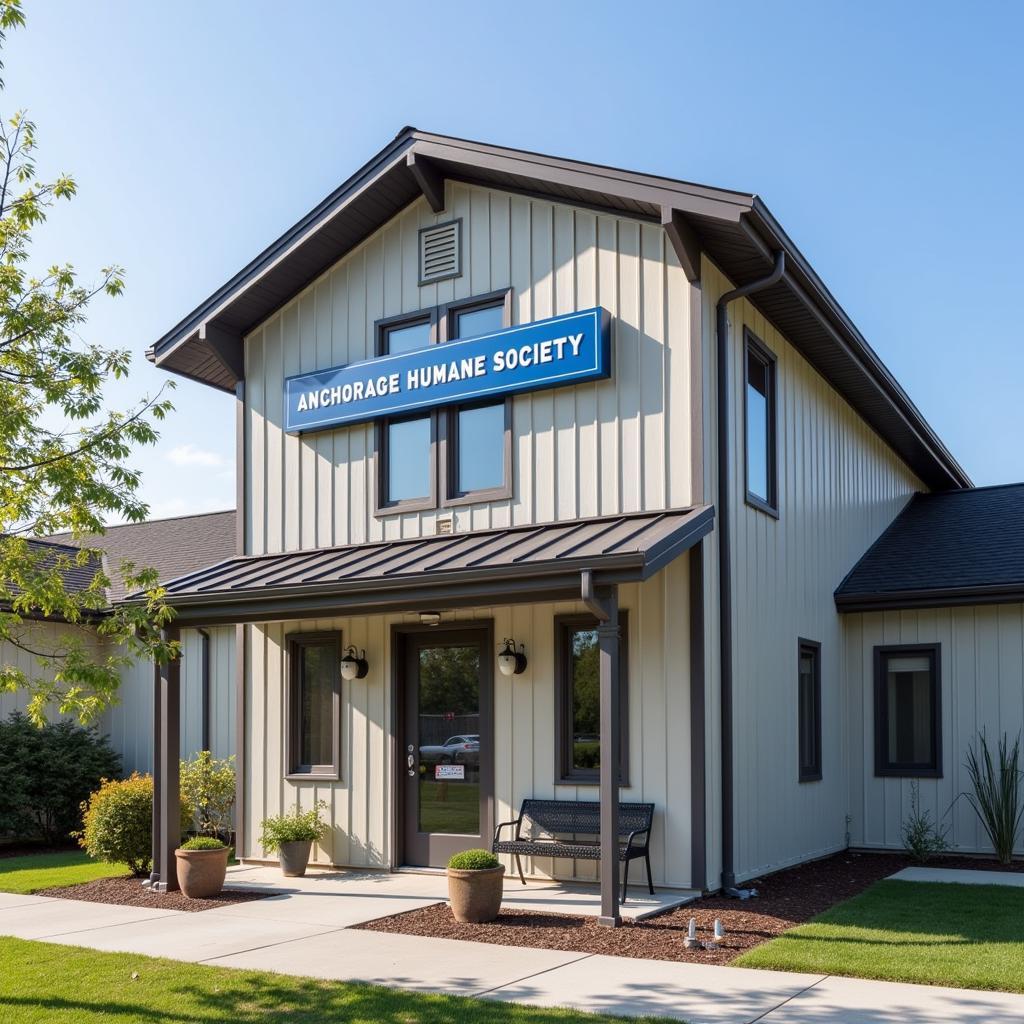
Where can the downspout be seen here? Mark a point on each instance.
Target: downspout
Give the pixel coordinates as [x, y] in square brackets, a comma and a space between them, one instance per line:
[724, 516]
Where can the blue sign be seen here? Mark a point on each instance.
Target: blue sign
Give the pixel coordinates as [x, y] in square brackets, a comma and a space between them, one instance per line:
[550, 353]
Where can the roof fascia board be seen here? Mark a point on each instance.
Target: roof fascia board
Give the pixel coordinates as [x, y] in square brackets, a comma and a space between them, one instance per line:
[945, 597]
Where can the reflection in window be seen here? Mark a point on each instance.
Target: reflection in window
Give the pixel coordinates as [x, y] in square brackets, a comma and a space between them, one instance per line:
[407, 338]
[475, 322]
[409, 459]
[909, 693]
[313, 736]
[760, 424]
[481, 447]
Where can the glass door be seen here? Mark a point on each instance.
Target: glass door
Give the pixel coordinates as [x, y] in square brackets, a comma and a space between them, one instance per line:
[446, 754]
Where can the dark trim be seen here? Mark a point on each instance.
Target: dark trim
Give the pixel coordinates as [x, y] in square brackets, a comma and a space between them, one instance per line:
[428, 178]
[385, 324]
[698, 729]
[295, 771]
[883, 767]
[697, 400]
[241, 471]
[940, 597]
[684, 242]
[565, 774]
[166, 769]
[241, 733]
[807, 772]
[724, 444]
[204, 669]
[752, 344]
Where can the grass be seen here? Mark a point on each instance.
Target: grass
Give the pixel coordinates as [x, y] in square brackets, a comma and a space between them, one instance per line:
[452, 807]
[49, 870]
[964, 936]
[41, 982]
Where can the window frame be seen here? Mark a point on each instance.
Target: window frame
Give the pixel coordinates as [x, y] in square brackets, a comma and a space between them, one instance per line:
[296, 771]
[565, 773]
[383, 505]
[752, 345]
[809, 772]
[883, 767]
[448, 461]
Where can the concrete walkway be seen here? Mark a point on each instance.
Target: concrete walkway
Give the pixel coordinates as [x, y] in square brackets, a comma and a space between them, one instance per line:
[961, 876]
[305, 931]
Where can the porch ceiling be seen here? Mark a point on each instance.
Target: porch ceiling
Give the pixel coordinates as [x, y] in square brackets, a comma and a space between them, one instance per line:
[524, 563]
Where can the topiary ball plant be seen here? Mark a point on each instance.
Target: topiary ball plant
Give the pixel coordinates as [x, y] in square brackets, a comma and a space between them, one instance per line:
[473, 860]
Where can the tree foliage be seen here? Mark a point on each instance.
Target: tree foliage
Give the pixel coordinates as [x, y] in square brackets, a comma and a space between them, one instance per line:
[64, 457]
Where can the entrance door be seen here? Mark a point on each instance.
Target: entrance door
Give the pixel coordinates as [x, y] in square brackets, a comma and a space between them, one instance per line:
[447, 756]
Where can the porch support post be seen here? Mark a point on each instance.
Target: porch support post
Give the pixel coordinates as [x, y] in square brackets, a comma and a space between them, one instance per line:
[604, 603]
[166, 775]
[154, 873]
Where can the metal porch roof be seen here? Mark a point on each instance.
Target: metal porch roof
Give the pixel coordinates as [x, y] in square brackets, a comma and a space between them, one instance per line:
[444, 570]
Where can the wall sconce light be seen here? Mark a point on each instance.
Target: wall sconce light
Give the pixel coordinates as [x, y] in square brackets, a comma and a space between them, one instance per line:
[430, 618]
[353, 665]
[510, 661]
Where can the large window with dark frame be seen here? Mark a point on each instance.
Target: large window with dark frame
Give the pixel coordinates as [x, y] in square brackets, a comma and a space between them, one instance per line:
[809, 709]
[578, 700]
[314, 705]
[457, 455]
[759, 408]
[908, 714]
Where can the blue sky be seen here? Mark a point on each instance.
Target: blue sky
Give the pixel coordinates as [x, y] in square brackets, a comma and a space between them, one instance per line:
[885, 137]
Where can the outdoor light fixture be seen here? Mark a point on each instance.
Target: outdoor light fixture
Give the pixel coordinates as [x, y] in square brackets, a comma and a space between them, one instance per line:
[510, 661]
[430, 618]
[353, 665]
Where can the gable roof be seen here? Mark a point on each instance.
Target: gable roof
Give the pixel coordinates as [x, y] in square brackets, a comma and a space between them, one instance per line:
[171, 546]
[960, 547]
[735, 229]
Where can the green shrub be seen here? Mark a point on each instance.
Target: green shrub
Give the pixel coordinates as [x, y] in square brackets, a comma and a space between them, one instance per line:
[296, 827]
[118, 823]
[922, 837]
[473, 860]
[203, 843]
[46, 773]
[208, 784]
[997, 798]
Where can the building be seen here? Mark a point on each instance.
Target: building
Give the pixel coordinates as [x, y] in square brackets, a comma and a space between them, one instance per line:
[172, 547]
[618, 421]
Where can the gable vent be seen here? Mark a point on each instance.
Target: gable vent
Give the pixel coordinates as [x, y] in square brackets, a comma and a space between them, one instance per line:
[440, 252]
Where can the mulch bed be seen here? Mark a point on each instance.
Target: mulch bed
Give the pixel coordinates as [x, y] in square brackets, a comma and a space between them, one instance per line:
[128, 892]
[785, 899]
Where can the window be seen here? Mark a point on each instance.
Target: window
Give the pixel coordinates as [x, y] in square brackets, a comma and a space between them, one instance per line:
[462, 454]
[578, 700]
[907, 711]
[759, 419]
[809, 709]
[314, 705]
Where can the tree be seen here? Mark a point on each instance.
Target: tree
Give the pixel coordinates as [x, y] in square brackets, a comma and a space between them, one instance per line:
[64, 458]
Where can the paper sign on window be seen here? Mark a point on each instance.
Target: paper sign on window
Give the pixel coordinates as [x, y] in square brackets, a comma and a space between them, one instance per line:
[449, 771]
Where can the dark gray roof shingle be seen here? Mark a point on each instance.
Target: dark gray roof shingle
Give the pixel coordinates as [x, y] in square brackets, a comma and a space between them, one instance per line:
[955, 547]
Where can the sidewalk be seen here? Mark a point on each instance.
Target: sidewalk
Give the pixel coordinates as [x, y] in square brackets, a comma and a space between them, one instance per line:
[306, 932]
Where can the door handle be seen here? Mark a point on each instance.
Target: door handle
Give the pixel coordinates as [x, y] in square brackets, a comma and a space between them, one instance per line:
[410, 760]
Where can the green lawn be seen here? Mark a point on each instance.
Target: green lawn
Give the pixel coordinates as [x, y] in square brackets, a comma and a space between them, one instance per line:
[40, 982]
[452, 807]
[965, 936]
[46, 870]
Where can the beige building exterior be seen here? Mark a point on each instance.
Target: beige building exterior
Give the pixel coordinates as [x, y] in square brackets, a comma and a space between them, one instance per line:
[751, 438]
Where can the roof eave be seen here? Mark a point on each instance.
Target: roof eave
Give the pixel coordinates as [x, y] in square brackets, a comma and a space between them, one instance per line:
[936, 597]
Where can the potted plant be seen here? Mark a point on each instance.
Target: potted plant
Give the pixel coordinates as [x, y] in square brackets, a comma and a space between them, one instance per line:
[202, 865]
[293, 835]
[475, 878]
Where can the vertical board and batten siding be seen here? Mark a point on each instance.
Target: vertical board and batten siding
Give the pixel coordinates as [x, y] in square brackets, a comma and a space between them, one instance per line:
[359, 806]
[129, 723]
[982, 659]
[620, 445]
[839, 487]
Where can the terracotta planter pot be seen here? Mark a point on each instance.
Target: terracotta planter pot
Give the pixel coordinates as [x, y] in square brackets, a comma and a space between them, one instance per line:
[294, 858]
[475, 895]
[201, 872]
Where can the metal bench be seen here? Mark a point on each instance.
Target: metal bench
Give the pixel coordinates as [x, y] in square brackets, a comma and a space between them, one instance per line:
[552, 828]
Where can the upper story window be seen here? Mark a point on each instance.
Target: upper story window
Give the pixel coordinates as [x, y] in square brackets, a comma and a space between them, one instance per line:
[908, 718]
[449, 456]
[759, 408]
